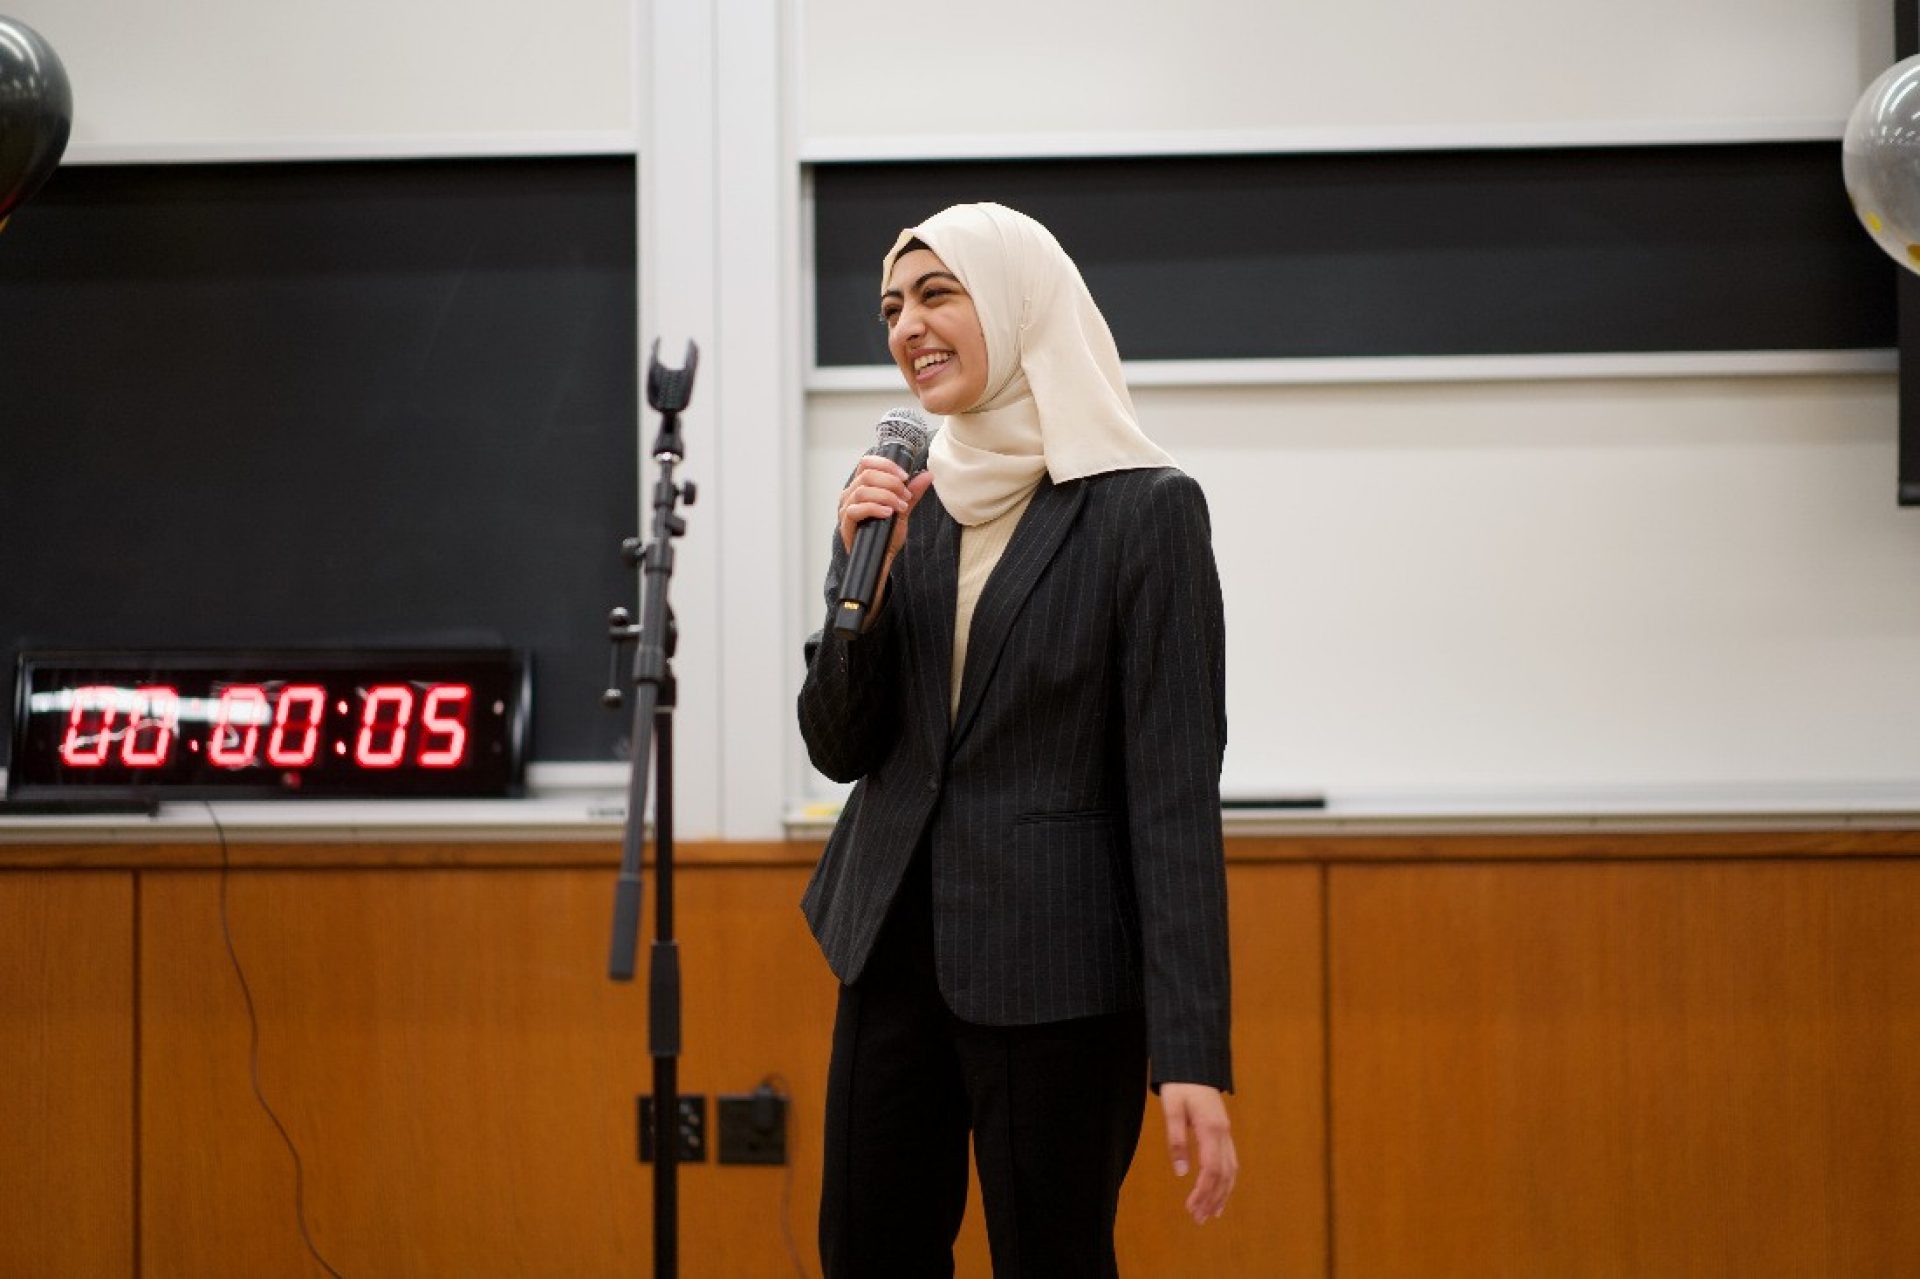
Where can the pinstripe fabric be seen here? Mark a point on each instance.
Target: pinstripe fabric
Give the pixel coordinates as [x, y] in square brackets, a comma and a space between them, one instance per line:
[1073, 806]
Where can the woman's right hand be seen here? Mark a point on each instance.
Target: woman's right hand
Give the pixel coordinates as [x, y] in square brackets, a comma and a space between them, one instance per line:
[880, 488]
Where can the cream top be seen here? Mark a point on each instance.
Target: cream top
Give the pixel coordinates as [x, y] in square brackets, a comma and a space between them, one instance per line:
[981, 546]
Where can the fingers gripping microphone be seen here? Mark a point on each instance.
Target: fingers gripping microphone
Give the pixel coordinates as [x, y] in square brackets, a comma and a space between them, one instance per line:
[902, 439]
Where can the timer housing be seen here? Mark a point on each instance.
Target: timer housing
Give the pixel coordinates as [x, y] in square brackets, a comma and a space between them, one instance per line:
[270, 724]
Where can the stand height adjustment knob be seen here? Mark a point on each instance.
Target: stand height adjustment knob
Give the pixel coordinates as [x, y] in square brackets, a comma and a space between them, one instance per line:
[620, 630]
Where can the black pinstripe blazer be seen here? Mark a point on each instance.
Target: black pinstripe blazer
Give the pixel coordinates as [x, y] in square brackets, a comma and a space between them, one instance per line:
[1073, 803]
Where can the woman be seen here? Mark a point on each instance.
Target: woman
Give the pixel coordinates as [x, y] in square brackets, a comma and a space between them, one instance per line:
[1024, 898]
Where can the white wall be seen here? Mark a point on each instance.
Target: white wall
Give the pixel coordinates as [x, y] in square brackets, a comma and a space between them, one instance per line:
[1030, 74]
[275, 78]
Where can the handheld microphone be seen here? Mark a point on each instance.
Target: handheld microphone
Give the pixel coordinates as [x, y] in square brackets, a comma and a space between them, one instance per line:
[901, 438]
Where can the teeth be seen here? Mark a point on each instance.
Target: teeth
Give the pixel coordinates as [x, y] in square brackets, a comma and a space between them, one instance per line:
[927, 361]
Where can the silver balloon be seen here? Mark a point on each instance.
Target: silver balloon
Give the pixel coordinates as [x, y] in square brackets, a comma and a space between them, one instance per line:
[1880, 159]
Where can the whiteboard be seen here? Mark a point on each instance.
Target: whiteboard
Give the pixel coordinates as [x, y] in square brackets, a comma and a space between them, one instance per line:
[1498, 592]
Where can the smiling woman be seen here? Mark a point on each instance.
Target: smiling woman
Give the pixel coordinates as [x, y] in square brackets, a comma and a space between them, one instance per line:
[1025, 898]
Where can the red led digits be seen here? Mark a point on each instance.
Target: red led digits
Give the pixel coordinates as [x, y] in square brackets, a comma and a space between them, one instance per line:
[297, 714]
[322, 724]
[89, 727]
[445, 715]
[156, 718]
[247, 704]
[388, 711]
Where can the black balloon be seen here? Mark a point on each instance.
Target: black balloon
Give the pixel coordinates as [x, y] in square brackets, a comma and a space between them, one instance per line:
[36, 113]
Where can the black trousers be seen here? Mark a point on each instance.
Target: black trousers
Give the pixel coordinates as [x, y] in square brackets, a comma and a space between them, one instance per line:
[1054, 1113]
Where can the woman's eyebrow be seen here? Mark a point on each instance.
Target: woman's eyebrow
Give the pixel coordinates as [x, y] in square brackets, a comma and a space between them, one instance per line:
[921, 283]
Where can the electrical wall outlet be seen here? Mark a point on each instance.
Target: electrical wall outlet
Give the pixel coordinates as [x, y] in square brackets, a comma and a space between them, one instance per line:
[690, 1126]
[753, 1127]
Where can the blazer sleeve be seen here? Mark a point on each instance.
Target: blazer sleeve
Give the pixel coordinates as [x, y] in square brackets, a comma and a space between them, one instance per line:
[849, 702]
[1173, 689]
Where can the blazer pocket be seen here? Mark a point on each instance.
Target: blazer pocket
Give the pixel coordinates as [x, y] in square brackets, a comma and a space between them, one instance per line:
[1068, 914]
[1089, 815]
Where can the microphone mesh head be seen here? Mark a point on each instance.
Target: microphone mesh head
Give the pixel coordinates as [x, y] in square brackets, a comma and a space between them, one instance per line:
[905, 426]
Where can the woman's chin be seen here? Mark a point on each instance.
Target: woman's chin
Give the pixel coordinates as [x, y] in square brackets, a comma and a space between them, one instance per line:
[941, 400]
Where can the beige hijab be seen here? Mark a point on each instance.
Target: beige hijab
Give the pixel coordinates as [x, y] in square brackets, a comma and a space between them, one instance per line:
[1055, 401]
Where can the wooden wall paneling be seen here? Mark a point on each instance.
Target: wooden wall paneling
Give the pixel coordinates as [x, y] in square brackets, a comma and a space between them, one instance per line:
[66, 1065]
[1607, 1069]
[444, 1048]
[459, 1074]
[1702, 1067]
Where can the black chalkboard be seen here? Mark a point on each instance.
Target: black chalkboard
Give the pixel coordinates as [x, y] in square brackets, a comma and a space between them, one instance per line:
[1677, 248]
[359, 404]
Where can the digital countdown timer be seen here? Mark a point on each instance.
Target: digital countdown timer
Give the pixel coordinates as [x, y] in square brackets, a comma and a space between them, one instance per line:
[335, 724]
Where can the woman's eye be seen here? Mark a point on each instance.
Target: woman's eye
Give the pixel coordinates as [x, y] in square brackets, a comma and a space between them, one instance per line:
[888, 315]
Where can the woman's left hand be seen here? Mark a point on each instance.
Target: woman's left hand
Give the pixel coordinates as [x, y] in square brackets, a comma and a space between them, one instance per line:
[1197, 1128]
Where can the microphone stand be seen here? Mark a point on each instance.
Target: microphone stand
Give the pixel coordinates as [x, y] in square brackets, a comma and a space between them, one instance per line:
[668, 391]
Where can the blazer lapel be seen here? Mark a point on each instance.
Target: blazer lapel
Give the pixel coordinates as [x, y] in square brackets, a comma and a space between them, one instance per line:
[1038, 536]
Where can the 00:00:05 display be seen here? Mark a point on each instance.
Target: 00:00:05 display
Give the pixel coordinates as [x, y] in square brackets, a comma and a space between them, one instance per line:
[291, 723]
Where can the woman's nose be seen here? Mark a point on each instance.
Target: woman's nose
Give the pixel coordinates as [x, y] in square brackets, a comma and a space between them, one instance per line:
[907, 329]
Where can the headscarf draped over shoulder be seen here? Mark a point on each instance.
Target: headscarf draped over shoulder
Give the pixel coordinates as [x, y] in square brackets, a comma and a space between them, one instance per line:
[1055, 400]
